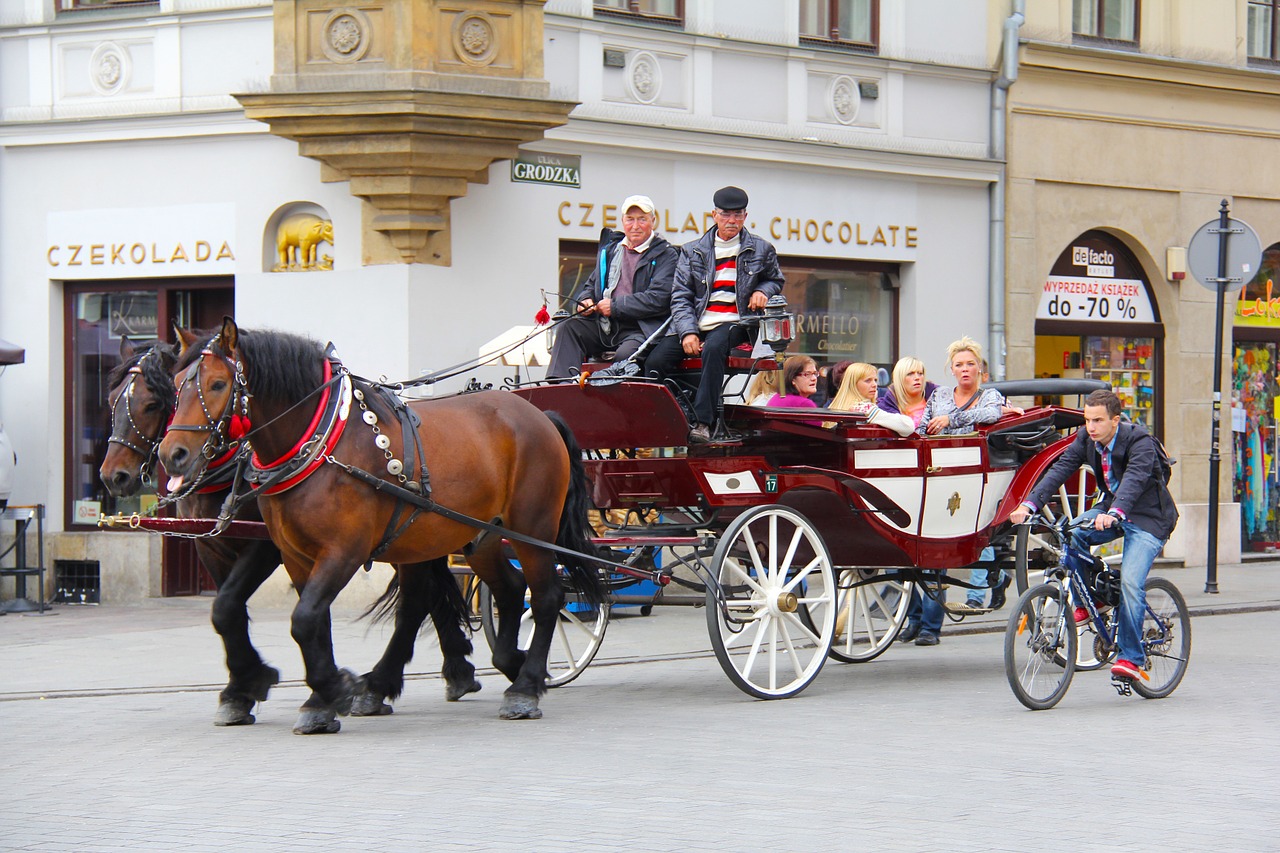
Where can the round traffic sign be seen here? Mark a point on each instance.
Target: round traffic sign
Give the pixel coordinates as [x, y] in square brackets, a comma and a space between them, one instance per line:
[1244, 252]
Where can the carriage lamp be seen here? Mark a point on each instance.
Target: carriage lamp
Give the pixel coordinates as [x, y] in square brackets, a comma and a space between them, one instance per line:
[775, 326]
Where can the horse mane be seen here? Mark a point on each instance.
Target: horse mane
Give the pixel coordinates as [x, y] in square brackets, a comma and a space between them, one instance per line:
[292, 364]
[155, 371]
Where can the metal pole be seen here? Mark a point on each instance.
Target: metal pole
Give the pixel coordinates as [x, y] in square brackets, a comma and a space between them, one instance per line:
[1224, 234]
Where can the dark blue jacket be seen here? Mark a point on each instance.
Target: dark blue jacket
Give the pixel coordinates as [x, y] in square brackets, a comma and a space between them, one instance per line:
[649, 303]
[758, 269]
[1142, 495]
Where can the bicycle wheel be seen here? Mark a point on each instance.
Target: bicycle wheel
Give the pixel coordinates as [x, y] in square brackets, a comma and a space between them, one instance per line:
[868, 617]
[1040, 647]
[1166, 638]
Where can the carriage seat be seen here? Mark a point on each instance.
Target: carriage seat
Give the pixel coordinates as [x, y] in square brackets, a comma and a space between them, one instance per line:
[1018, 442]
[740, 361]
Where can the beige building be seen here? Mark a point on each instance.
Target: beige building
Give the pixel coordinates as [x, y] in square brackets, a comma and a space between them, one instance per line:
[1129, 121]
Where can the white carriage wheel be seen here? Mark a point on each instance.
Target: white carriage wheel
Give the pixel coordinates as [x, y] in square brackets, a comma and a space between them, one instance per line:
[773, 630]
[869, 616]
[579, 631]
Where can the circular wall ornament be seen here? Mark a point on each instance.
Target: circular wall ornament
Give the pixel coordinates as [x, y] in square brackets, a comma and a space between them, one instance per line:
[345, 35]
[474, 39]
[644, 77]
[846, 100]
[109, 68]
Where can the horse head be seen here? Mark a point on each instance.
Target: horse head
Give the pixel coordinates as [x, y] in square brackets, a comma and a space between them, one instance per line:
[141, 402]
[211, 404]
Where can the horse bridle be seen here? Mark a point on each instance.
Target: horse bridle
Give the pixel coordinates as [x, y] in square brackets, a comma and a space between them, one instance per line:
[217, 443]
[151, 452]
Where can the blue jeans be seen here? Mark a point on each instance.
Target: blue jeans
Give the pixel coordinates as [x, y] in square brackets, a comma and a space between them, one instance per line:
[1140, 551]
[978, 576]
[924, 611]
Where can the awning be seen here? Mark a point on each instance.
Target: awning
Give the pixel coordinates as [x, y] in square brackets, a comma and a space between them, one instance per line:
[11, 353]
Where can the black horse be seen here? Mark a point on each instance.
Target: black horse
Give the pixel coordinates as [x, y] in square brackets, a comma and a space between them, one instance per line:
[141, 403]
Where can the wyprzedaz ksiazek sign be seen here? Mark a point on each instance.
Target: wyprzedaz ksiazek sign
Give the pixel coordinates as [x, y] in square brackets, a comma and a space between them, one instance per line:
[561, 170]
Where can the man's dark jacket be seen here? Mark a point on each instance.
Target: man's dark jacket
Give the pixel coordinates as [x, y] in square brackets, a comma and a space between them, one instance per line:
[649, 302]
[1142, 496]
[758, 269]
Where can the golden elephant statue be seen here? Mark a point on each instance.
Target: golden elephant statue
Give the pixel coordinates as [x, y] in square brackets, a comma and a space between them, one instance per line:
[297, 238]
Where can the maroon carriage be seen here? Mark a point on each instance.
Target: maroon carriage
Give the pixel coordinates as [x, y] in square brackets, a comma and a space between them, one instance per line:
[805, 537]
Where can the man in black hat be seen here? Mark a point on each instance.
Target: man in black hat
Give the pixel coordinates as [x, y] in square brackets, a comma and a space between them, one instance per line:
[721, 277]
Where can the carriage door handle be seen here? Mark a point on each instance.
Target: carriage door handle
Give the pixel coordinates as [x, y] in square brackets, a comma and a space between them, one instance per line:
[933, 469]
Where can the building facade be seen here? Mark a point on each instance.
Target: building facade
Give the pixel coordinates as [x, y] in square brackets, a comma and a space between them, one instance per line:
[169, 162]
[1128, 124]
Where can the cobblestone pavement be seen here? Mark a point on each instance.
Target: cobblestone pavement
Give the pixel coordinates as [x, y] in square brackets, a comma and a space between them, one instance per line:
[105, 716]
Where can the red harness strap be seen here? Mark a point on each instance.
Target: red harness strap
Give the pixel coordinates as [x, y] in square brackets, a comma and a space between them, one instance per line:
[335, 432]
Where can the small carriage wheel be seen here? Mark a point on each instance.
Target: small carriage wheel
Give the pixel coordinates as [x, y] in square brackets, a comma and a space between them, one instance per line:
[771, 611]
[578, 633]
[869, 617]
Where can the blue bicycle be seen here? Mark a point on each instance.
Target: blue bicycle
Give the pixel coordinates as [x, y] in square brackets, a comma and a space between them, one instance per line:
[1044, 645]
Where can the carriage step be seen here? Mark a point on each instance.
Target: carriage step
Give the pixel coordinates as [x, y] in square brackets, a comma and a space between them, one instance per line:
[642, 541]
[965, 610]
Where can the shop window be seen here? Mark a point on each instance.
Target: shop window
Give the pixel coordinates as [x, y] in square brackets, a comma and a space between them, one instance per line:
[848, 23]
[1097, 320]
[99, 316]
[665, 11]
[1114, 21]
[1255, 394]
[1263, 39]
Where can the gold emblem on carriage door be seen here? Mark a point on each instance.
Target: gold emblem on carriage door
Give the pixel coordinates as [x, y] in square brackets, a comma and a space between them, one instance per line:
[954, 503]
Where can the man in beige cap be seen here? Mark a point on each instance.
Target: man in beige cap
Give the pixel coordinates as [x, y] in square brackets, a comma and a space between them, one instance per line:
[625, 299]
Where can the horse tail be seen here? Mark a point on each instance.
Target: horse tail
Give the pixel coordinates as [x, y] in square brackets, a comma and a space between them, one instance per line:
[387, 604]
[441, 596]
[575, 529]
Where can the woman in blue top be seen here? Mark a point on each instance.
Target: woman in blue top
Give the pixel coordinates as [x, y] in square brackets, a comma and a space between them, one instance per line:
[950, 411]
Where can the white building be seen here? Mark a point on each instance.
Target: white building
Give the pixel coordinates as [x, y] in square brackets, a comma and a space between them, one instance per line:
[135, 193]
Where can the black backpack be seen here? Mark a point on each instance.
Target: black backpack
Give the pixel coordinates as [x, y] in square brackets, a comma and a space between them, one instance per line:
[1164, 459]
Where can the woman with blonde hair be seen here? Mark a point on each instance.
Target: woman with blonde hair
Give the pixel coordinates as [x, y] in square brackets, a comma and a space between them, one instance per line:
[762, 388]
[957, 410]
[857, 394]
[909, 391]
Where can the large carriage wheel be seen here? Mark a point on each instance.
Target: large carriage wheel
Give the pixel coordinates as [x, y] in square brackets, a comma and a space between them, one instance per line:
[1071, 503]
[868, 617]
[772, 611]
[578, 633]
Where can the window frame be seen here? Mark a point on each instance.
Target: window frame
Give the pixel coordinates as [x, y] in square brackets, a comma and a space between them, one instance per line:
[634, 12]
[1100, 10]
[88, 6]
[833, 38]
[1273, 57]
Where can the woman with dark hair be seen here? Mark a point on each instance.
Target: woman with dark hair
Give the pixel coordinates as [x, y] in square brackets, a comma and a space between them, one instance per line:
[799, 382]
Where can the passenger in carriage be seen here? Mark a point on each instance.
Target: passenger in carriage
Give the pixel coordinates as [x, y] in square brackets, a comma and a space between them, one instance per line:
[721, 277]
[950, 411]
[857, 394]
[908, 392]
[625, 299]
[799, 382]
[762, 388]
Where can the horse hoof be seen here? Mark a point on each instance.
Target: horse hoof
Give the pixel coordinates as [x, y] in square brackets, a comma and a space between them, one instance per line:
[234, 714]
[455, 691]
[369, 704]
[517, 707]
[317, 722]
[352, 685]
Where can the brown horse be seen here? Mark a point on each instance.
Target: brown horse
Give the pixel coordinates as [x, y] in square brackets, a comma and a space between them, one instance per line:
[141, 402]
[490, 456]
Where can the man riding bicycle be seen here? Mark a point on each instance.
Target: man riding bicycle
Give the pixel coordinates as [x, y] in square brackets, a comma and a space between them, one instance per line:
[1135, 504]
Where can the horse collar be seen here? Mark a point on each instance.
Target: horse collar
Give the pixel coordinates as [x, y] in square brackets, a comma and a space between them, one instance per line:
[316, 443]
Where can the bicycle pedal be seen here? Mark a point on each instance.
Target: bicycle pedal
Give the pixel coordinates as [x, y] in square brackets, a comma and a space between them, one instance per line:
[1123, 685]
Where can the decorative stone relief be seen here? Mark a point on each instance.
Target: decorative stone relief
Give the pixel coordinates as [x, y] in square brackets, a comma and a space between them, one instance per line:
[345, 35]
[109, 68]
[845, 99]
[474, 39]
[644, 77]
[298, 238]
